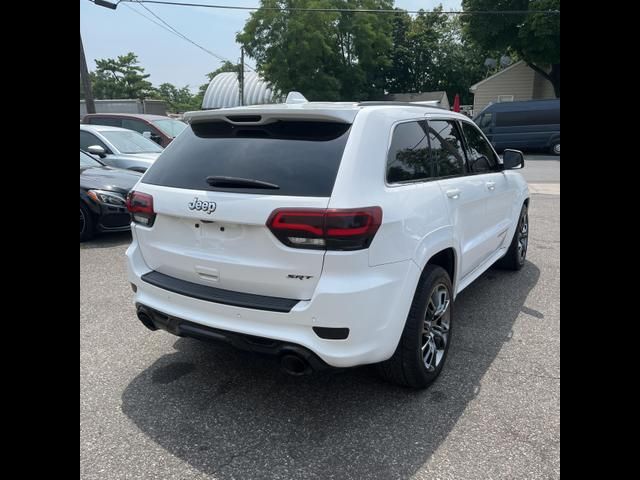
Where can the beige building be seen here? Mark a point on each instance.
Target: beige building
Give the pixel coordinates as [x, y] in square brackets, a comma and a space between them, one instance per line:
[514, 83]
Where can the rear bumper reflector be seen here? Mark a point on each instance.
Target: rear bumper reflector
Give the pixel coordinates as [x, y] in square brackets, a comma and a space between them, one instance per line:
[218, 295]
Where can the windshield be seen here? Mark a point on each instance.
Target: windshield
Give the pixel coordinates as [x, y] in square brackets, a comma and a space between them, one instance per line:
[131, 142]
[88, 161]
[170, 127]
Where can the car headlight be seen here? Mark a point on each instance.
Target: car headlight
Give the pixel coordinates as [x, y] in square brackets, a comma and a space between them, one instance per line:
[108, 198]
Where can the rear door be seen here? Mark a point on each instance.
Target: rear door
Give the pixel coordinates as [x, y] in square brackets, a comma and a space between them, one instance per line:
[217, 236]
[464, 194]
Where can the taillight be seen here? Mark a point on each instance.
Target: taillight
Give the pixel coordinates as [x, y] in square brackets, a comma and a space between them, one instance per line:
[326, 229]
[140, 205]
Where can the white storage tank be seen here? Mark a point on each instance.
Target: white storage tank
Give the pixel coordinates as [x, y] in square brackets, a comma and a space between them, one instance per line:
[223, 91]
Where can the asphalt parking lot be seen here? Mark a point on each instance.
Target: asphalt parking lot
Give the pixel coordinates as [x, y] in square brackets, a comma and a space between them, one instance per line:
[155, 406]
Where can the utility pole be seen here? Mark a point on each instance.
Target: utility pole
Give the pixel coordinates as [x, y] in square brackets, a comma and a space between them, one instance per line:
[241, 77]
[86, 81]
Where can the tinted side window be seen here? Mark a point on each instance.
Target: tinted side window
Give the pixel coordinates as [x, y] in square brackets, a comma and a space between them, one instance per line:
[446, 148]
[527, 117]
[87, 139]
[479, 153]
[408, 155]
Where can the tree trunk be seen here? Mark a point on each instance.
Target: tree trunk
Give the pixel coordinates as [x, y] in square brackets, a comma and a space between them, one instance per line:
[553, 76]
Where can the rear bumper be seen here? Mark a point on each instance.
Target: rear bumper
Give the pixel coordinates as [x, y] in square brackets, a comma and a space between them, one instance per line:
[154, 319]
[372, 303]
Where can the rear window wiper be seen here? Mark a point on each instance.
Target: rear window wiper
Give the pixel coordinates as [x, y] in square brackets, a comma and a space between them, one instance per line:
[235, 182]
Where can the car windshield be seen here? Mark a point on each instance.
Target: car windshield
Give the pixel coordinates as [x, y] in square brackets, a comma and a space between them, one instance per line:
[88, 161]
[131, 142]
[170, 127]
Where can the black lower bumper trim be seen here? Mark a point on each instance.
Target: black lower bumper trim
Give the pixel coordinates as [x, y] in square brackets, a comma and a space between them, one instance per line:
[154, 319]
[218, 295]
[329, 333]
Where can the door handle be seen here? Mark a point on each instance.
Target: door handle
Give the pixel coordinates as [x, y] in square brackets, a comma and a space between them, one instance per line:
[491, 185]
[453, 193]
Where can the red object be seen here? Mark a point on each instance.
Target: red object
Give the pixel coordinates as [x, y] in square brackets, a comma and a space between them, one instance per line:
[456, 103]
[327, 229]
[140, 206]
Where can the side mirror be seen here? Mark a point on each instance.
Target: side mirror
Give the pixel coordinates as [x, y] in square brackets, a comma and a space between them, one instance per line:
[97, 150]
[512, 159]
[152, 136]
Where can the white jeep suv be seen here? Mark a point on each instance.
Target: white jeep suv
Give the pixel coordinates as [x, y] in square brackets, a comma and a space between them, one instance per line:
[328, 234]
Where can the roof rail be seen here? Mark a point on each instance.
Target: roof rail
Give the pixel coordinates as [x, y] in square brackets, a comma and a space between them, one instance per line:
[429, 104]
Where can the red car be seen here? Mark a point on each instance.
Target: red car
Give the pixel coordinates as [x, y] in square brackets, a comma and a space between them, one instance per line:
[158, 128]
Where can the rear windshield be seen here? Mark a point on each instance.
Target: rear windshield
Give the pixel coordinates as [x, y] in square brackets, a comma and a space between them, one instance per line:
[301, 158]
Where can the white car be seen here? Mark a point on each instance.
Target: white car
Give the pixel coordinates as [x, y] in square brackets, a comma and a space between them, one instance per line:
[119, 147]
[329, 234]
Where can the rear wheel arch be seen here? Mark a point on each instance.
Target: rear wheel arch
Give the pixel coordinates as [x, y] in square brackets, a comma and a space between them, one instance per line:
[446, 259]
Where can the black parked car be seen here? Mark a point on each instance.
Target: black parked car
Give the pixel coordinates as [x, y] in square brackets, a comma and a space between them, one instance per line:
[103, 191]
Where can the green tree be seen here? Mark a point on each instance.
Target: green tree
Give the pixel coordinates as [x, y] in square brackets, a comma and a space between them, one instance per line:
[178, 100]
[325, 55]
[120, 78]
[430, 53]
[535, 37]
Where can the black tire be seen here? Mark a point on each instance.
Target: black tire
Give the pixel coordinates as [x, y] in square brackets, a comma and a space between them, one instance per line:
[515, 257]
[555, 147]
[407, 366]
[87, 230]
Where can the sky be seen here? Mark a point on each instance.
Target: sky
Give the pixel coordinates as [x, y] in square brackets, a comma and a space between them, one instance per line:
[108, 33]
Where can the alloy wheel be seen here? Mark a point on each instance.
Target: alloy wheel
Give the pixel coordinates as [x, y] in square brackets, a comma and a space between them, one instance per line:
[435, 331]
[523, 236]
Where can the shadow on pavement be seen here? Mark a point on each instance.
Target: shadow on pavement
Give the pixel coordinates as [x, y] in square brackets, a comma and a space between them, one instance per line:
[235, 415]
[107, 240]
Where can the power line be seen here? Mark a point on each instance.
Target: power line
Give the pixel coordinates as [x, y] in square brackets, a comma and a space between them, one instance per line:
[171, 29]
[355, 10]
[182, 35]
[150, 19]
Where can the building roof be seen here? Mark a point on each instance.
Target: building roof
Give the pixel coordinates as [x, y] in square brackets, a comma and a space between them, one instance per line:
[224, 91]
[473, 87]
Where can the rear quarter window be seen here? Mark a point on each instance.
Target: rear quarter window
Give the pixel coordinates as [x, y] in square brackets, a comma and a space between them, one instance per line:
[302, 158]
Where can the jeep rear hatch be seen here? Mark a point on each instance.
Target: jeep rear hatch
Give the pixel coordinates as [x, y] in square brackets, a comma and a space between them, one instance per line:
[214, 189]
